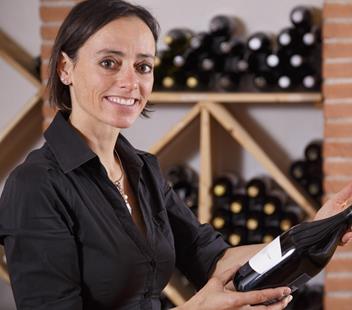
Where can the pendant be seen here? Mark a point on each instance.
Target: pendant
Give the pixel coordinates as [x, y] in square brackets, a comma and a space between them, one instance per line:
[124, 196]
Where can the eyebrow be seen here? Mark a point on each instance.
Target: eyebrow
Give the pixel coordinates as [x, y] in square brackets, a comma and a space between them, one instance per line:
[119, 53]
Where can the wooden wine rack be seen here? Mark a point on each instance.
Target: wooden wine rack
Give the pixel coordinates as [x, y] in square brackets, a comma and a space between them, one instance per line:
[19, 59]
[205, 106]
[213, 105]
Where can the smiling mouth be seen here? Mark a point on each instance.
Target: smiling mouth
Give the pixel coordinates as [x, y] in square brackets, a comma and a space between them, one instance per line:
[121, 100]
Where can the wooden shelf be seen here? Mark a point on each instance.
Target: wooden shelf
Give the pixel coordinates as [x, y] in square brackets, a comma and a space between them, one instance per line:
[188, 97]
[209, 106]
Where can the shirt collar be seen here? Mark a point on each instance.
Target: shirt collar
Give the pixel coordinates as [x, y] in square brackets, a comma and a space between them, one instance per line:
[71, 151]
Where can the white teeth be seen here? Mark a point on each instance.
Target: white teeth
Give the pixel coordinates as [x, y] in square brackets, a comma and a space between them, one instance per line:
[122, 101]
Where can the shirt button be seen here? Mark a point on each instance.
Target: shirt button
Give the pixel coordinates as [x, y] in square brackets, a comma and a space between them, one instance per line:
[147, 294]
[153, 264]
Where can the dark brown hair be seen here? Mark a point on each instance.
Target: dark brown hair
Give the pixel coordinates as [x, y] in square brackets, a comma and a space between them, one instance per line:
[85, 19]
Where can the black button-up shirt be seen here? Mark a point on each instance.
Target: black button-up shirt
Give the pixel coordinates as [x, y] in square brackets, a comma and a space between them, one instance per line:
[71, 243]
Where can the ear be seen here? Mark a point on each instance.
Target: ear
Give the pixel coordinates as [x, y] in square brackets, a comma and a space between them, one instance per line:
[65, 68]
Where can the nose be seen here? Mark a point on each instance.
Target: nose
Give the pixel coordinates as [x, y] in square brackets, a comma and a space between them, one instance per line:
[128, 78]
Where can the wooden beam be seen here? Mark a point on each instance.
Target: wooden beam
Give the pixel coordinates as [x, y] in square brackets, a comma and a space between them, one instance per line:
[20, 136]
[18, 58]
[205, 172]
[3, 272]
[235, 129]
[181, 125]
[177, 291]
[34, 101]
[262, 98]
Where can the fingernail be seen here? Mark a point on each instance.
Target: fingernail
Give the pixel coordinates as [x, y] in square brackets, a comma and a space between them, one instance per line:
[289, 298]
[287, 291]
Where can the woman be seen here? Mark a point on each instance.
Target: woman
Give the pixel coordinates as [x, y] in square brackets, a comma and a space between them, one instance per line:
[88, 222]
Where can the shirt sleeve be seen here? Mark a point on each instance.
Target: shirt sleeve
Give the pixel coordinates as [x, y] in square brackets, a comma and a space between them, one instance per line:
[38, 234]
[198, 246]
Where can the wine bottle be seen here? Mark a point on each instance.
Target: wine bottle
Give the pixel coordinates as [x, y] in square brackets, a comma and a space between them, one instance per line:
[225, 184]
[274, 202]
[223, 25]
[313, 151]
[287, 81]
[315, 188]
[187, 61]
[221, 219]
[257, 62]
[162, 64]
[210, 63]
[237, 236]
[289, 38]
[238, 203]
[259, 42]
[174, 80]
[235, 64]
[299, 61]
[295, 256]
[197, 82]
[311, 81]
[178, 39]
[304, 17]
[265, 81]
[225, 47]
[238, 207]
[311, 38]
[257, 186]
[201, 41]
[254, 221]
[298, 169]
[225, 82]
[177, 175]
[273, 61]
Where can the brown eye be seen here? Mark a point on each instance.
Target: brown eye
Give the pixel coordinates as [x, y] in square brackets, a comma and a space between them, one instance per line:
[145, 68]
[108, 64]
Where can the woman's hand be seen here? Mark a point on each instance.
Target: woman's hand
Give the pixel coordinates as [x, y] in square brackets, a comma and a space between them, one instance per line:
[336, 204]
[216, 296]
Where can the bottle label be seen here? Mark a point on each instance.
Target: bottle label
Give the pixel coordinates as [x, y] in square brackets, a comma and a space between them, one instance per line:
[268, 257]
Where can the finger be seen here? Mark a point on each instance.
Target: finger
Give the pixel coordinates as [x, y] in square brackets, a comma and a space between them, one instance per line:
[261, 296]
[230, 286]
[227, 275]
[342, 196]
[346, 238]
[281, 304]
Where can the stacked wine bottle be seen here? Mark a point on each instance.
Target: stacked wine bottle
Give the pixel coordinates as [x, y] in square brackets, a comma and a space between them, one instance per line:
[200, 61]
[184, 181]
[252, 212]
[221, 59]
[308, 171]
[291, 60]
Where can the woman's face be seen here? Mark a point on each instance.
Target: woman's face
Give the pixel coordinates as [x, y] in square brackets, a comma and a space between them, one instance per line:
[112, 76]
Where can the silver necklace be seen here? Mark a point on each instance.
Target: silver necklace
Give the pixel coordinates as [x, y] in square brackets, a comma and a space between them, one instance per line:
[119, 186]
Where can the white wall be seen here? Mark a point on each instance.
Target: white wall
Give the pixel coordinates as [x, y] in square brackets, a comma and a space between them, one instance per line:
[285, 129]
